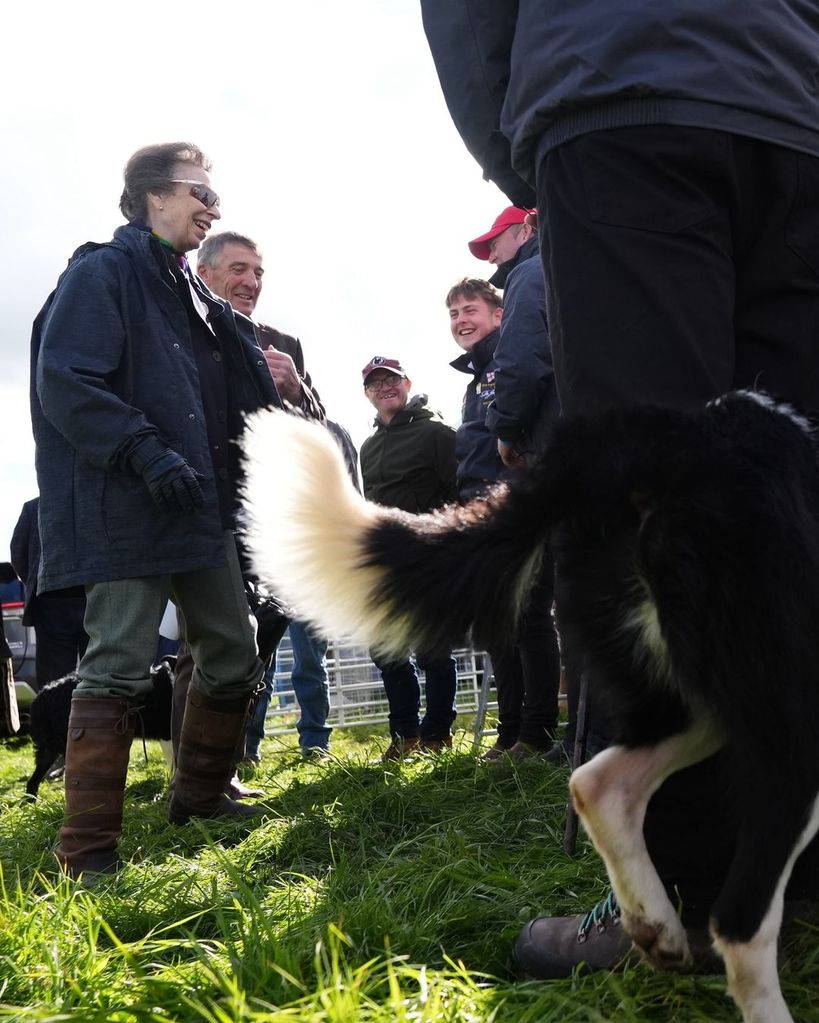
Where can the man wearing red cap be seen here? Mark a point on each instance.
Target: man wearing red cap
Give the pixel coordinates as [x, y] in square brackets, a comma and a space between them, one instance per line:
[503, 243]
[409, 463]
[520, 415]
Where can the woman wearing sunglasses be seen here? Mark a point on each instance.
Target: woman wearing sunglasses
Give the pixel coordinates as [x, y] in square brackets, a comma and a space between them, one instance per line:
[140, 381]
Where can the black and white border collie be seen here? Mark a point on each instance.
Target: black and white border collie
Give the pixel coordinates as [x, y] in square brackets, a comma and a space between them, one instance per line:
[686, 548]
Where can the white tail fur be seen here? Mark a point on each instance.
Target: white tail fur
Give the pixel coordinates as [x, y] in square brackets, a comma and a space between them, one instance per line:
[305, 526]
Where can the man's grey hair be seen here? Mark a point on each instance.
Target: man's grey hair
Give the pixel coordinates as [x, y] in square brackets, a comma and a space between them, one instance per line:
[210, 249]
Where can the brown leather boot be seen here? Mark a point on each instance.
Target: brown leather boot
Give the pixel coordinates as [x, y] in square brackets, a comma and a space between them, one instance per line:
[100, 731]
[211, 733]
[181, 683]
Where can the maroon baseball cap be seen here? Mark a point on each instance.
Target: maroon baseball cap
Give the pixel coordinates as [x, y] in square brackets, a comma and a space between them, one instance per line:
[479, 247]
[380, 362]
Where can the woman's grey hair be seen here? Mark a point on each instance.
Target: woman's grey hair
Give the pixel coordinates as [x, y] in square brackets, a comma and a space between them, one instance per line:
[151, 169]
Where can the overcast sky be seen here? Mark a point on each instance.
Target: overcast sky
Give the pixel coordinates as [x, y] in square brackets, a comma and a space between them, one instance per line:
[331, 146]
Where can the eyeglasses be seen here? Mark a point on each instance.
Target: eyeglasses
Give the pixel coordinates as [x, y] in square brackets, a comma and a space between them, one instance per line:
[388, 380]
[199, 191]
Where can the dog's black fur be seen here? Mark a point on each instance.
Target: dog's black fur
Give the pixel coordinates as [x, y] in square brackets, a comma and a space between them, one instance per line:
[51, 707]
[686, 548]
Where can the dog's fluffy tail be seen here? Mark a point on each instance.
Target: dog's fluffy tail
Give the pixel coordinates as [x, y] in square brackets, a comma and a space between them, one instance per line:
[389, 579]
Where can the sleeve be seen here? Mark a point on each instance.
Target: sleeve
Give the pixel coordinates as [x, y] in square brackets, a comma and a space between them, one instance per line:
[445, 462]
[19, 543]
[310, 401]
[524, 373]
[471, 43]
[82, 345]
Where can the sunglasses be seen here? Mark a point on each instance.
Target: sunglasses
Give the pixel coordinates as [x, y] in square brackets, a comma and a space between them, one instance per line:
[199, 191]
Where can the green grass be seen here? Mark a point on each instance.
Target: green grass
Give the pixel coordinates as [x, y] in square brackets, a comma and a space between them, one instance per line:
[371, 894]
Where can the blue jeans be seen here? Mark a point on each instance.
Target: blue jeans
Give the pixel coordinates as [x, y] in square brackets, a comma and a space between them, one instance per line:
[310, 683]
[404, 694]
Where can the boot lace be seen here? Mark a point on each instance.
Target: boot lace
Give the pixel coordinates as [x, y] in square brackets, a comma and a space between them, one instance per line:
[606, 911]
[124, 725]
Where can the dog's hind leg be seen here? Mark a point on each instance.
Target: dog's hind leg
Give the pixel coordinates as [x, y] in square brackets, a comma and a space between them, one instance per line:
[611, 794]
[777, 826]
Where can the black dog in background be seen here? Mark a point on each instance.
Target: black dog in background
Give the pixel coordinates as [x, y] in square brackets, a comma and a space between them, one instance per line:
[51, 707]
[686, 547]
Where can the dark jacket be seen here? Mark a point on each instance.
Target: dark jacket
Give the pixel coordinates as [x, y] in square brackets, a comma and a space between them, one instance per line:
[310, 402]
[409, 463]
[521, 78]
[113, 361]
[526, 402]
[476, 446]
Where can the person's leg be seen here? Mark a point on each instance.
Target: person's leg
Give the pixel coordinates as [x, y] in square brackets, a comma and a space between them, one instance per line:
[679, 263]
[508, 673]
[403, 695]
[540, 664]
[220, 631]
[61, 637]
[254, 732]
[311, 685]
[122, 619]
[441, 682]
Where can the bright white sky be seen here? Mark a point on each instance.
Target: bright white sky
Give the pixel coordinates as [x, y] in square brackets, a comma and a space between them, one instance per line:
[331, 146]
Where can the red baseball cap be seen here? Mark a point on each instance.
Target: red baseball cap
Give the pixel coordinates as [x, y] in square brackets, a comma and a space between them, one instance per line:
[380, 362]
[479, 247]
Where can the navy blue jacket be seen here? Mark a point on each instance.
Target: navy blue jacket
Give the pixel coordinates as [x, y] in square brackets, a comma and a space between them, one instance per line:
[526, 402]
[112, 359]
[521, 76]
[476, 446]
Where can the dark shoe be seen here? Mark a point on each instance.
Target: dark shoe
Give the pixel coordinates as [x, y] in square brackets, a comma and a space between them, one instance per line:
[208, 744]
[549, 948]
[526, 751]
[401, 747]
[561, 754]
[57, 770]
[314, 754]
[435, 745]
[100, 732]
[496, 752]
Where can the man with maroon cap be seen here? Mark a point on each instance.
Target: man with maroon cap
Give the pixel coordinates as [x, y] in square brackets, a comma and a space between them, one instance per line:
[504, 242]
[409, 463]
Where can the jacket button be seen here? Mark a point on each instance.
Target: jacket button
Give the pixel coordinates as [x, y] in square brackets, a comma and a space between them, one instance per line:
[221, 415]
[223, 474]
[191, 415]
[176, 344]
[217, 356]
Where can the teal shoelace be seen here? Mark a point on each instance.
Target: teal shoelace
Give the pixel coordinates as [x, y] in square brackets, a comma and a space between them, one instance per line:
[598, 915]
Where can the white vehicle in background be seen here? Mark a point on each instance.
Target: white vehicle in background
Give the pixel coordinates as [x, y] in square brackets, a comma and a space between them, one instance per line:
[20, 639]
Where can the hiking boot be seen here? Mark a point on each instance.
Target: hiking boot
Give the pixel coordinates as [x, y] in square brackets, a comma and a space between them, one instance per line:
[435, 745]
[550, 948]
[400, 747]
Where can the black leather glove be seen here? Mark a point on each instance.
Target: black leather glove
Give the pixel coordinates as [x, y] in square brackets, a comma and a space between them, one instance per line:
[172, 482]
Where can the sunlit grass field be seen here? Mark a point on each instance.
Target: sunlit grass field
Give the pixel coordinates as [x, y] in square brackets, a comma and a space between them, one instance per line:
[369, 894]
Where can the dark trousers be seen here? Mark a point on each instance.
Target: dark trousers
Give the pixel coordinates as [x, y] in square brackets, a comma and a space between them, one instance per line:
[527, 672]
[404, 694]
[682, 263]
[61, 637]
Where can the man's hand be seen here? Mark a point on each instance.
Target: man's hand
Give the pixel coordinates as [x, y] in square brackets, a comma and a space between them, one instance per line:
[510, 456]
[285, 376]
